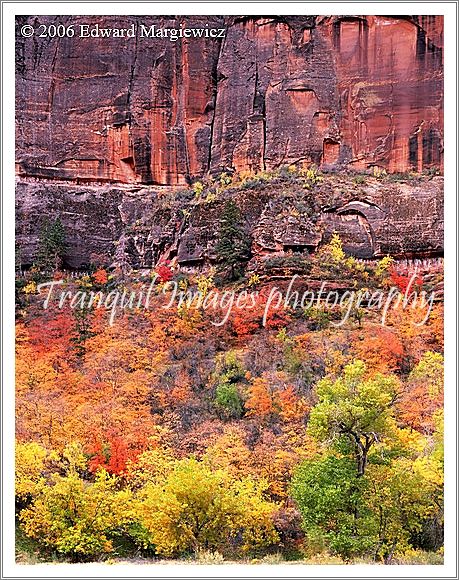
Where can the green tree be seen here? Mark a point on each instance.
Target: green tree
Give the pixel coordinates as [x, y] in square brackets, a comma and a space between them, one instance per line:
[372, 515]
[228, 401]
[356, 407]
[82, 329]
[228, 372]
[52, 245]
[233, 246]
[401, 500]
[330, 498]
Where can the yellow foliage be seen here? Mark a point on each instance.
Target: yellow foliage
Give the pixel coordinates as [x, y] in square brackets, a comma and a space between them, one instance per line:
[253, 280]
[336, 249]
[30, 288]
[194, 507]
[204, 284]
[30, 459]
[229, 452]
[151, 466]
[384, 265]
[75, 517]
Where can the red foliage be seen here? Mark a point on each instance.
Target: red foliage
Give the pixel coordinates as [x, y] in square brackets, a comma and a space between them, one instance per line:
[164, 271]
[264, 313]
[112, 455]
[245, 322]
[51, 332]
[402, 281]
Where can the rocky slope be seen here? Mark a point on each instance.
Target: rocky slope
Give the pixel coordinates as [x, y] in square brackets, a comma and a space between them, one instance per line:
[140, 226]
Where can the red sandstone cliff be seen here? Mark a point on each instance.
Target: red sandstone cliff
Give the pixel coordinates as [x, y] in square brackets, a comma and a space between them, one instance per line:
[356, 92]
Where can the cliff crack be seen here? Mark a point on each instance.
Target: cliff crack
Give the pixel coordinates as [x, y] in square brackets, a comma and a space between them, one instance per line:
[131, 75]
[52, 83]
[215, 95]
[259, 108]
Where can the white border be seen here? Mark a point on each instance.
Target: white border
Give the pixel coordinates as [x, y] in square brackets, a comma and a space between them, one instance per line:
[13, 570]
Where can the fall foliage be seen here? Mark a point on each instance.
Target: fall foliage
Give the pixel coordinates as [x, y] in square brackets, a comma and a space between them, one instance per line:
[170, 435]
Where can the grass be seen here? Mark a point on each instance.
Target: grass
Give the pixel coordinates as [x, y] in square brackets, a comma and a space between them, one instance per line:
[28, 551]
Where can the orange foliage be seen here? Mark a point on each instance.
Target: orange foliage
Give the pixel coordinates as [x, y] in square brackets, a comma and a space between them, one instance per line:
[379, 348]
[150, 372]
[292, 407]
[261, 400]
[182, 391]
[417, 408]
[423, 393]
[100, 277]
[270, 397]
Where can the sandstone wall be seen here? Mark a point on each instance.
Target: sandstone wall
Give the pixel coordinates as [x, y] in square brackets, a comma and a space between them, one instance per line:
[354, 92]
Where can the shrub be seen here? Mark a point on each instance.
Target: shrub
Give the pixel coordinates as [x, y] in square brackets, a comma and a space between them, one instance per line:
[77, 518]
[276, 558]
[410, 557]
[318, 318]
[209, 557]
[296, 263]
[383, 267]
[225, 179]
[254, 181]
[359, 179]
[228, 372]
[195, 508]
[311, 177]
[405, 281]
[164, 271]
[228, 368]
[198, 188]
[379, 172]
[228, 401]
[254, 280]
[432, 171]
[100, 277]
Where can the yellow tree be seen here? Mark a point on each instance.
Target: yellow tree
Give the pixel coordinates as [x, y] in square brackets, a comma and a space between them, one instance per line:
[195, 507]
[356, 407]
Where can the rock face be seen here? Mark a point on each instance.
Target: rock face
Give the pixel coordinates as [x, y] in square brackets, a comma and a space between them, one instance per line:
[354, 92]
[138, 226]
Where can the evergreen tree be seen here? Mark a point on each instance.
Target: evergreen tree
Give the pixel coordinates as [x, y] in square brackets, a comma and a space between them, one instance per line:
[233, 246]
[52, 245]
